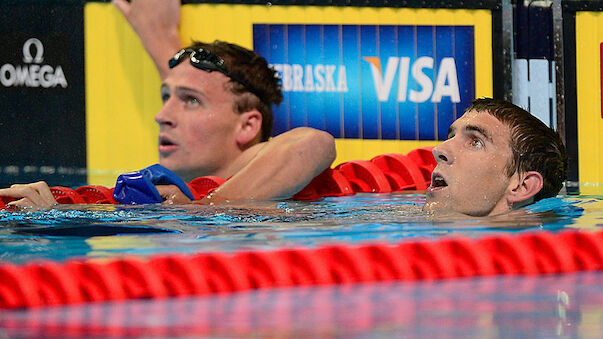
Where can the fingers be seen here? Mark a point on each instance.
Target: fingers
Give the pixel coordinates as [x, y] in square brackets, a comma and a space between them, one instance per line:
[35, 194]
[42, 188]
[24, 191]
[123, 6]
[21, 203]
[171, 194]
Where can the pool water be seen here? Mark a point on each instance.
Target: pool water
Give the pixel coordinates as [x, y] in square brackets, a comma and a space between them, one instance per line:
[546, 306]
[78, 231]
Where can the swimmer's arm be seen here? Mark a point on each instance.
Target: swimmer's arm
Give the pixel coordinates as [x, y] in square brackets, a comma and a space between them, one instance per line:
[279, 168]
[156, 23]
[34, 194]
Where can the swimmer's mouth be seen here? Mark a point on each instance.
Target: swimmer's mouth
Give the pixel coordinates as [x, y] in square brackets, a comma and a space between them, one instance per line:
[165, 142]
[166, 146]
[438, 181]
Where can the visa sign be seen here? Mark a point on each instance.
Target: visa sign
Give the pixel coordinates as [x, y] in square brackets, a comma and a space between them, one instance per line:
[368, 81]
[446, 83]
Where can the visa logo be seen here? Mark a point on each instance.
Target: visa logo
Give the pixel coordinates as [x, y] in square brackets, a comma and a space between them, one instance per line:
[446, 82]
[312, 78]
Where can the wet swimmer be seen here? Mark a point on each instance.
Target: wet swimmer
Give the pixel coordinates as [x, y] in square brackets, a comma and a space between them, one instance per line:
[498, 157]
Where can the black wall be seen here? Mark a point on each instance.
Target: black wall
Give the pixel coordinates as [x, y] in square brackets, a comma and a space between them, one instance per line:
[42, 122]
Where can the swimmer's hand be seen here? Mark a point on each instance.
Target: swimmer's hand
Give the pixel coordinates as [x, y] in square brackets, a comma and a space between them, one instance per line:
[34, 194]
[171, 194]
[156, 23]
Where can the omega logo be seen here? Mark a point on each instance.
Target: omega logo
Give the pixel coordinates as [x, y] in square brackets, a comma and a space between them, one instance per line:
[27, 51]
[33, 74]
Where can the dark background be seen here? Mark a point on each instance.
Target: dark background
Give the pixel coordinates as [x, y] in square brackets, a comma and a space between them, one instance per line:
[42, 130]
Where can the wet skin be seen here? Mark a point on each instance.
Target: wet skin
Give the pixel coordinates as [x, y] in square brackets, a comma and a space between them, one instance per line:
[471, 175]
[197, 124]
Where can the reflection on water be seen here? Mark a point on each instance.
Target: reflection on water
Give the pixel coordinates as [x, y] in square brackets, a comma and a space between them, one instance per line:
[554, 306]
[72, 231]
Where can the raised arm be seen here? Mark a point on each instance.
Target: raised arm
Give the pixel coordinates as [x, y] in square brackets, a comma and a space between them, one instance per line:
[278, 168]
[156, 23]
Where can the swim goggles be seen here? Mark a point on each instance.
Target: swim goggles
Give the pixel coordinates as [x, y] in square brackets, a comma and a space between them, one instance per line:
[209, 62]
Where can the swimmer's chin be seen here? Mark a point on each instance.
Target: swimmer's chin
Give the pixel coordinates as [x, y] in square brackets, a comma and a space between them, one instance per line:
[441, 210]
[433, 206]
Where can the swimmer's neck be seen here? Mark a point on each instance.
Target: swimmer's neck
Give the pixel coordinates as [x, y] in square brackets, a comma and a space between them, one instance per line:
[514, 207]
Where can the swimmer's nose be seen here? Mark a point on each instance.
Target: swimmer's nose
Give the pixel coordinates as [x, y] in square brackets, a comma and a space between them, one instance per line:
[164, 118]
[440, 154]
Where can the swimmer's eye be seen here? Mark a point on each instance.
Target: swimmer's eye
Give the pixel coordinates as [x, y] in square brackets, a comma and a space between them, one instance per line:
[191, 101]
[475, 142]
[165, 95]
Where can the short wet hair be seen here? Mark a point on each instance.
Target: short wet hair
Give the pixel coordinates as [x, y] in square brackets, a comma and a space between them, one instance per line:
[254, 70]
[534, 145]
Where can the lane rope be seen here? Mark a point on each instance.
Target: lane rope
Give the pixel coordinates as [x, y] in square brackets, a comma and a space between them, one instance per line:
[46, 282]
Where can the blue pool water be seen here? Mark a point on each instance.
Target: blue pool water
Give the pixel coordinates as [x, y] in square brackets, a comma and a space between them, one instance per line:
[71, 231]
[549, 306]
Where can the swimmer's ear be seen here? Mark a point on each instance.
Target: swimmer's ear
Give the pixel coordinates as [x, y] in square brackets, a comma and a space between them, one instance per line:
[249, 128]
[525, 188]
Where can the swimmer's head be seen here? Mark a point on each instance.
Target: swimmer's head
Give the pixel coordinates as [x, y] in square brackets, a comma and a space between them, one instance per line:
[218, 101]
[254, 83]
[497, 157]
[535, 146]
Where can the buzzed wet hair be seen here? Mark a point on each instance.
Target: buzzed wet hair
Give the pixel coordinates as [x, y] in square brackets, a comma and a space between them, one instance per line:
[255, 71]
[534, 145]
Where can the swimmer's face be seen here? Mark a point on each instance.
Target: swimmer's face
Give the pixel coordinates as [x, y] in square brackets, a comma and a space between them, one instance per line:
[198, 127]
[471, 175]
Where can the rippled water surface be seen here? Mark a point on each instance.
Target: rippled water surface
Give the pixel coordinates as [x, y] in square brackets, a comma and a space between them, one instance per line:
[75, 231]
[547, 306]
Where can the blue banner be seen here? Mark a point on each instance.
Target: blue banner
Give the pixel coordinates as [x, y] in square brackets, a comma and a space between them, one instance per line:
[371, 81]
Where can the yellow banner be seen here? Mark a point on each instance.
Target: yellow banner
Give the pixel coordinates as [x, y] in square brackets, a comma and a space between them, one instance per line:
[589, 37]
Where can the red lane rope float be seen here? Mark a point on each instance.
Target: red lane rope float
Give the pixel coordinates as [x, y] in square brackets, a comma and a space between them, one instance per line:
[66, 195]
[423, 157]
[401, 172]
[51, 283]
[365, 176]
[383, 174]
[204, 185]
[329, 183]
[95, 194]
[4, 201]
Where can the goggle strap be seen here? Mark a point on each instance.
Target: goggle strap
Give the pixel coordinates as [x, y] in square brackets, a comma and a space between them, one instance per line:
[209, 58]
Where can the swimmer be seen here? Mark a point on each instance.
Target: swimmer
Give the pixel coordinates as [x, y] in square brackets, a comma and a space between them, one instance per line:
[498, 157]
[216, 118]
